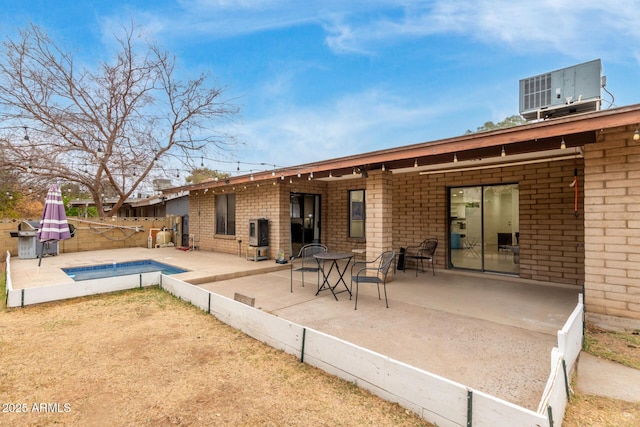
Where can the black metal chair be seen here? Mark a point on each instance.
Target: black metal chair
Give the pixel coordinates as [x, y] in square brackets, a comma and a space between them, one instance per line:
[375, 271]
[304, 262]
[425, 251]
[360, 250]
[504, 242]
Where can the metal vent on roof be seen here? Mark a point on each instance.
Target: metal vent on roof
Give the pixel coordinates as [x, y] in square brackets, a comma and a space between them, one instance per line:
[569, 90]
[537, 91]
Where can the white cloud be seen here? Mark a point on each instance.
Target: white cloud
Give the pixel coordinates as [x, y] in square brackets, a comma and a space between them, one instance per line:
[361, 26]
[586, 28]
[356, 123]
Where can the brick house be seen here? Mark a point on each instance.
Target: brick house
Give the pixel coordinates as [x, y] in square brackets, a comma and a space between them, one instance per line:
[561, 194]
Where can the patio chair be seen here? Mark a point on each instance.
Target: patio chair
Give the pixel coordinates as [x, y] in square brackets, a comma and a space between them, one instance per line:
[304, 262]
[504, 242]
[425, 251]
[375, 271]
[360, 249]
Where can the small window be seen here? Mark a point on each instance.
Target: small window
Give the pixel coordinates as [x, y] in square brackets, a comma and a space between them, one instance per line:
[226, 214]
[357, 214]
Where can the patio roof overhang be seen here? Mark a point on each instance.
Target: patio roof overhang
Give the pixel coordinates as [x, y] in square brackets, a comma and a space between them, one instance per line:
[539, 140]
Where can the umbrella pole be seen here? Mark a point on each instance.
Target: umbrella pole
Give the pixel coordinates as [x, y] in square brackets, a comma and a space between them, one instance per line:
[41, 253]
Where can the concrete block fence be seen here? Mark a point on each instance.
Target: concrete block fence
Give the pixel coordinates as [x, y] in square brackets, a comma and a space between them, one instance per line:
[92, 235]
[436, 399]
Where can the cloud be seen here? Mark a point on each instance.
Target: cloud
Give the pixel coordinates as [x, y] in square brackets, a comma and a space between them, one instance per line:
[355, 123]
[588, 28]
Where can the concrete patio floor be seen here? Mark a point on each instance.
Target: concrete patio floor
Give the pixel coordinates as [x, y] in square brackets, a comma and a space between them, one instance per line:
[491, 333]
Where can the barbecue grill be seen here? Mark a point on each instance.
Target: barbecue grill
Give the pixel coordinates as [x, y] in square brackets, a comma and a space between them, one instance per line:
[28, 245]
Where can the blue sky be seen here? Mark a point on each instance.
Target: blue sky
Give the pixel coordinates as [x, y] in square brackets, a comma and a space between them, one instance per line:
[322, 79]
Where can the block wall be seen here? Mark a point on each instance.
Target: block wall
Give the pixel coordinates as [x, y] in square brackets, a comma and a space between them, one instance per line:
[336, 220]
[266, 199]
[551, 236]
[92, 234]
[612, 223]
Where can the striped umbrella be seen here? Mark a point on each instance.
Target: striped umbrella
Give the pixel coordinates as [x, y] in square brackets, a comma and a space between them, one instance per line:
[53, 225]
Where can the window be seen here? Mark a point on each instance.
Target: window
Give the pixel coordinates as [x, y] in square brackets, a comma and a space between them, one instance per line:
[356, 214]
[226, 214]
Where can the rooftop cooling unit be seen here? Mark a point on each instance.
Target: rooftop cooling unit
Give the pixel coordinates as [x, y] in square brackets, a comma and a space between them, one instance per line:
[160, 184]
[559, 93]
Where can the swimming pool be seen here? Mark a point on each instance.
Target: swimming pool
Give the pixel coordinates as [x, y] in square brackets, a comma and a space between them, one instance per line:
[120, 269]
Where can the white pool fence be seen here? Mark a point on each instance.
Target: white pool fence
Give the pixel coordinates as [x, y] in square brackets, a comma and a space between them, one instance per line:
[436, 399]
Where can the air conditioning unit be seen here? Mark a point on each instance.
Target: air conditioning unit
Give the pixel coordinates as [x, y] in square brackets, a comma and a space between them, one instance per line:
[160, 184]
[570, 90]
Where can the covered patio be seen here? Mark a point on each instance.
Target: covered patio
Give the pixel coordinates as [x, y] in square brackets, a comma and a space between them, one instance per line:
[493, 333]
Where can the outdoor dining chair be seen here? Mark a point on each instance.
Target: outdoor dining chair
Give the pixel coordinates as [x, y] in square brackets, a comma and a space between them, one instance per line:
[304, 262]
[425, 251]
[360, 250]
[375, 271]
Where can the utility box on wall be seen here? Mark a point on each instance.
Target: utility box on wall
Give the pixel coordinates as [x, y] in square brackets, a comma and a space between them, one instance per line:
[566, 91]
[259, 232]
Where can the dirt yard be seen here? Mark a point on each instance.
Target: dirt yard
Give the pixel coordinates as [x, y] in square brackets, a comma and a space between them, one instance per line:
[146, 358]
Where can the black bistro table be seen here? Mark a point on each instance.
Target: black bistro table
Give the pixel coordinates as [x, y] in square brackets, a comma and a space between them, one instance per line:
[334, 257]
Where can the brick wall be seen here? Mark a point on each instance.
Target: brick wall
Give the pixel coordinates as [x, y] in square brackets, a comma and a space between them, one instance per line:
[93, 234]
[337, 214]
[403, 209]
[255, 200]
[551, 237]
[612, 222]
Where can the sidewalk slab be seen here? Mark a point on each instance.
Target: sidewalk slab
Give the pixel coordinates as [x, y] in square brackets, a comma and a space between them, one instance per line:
[599, 377]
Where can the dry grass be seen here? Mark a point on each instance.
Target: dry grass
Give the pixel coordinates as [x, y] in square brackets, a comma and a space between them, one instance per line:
[592, 411]
[595, 411]
[144, 357]
[621, 347]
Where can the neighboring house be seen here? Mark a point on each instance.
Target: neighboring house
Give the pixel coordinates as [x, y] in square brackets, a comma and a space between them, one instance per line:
[158, 206]
[173, 205]
[561, 206]
[176, 204]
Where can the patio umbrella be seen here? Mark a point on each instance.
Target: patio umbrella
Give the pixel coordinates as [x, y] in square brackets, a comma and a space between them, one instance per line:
[53, 225]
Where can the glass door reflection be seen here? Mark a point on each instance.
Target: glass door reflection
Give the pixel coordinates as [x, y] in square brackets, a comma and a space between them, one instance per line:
[483, 225]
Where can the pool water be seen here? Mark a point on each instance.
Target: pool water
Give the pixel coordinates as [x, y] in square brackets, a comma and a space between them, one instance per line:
[120, 269]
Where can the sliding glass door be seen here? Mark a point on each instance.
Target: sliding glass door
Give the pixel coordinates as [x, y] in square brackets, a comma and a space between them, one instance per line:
[484, 228]
[305, 220]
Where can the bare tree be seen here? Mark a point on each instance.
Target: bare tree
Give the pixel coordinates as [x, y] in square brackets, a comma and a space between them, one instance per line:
[114, 126]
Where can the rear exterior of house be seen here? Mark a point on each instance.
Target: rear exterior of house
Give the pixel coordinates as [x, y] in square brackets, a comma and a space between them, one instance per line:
[569, 218]
[402, 209]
